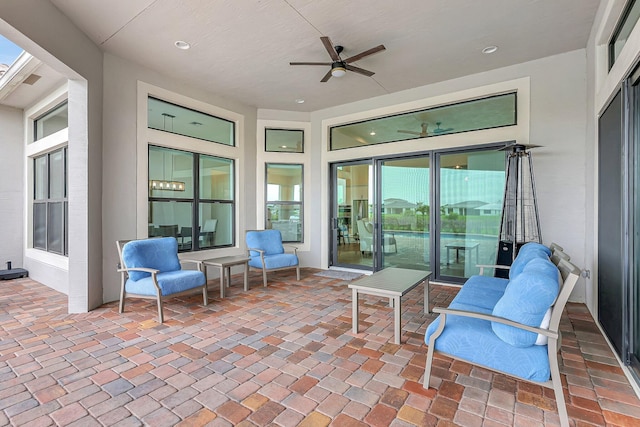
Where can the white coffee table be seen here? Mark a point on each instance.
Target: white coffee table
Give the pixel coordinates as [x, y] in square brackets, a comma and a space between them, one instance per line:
[393, 283]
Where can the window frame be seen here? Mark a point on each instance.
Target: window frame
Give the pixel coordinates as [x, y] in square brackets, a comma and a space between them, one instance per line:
[49, 111]
[196, 200]
[611, 46]
[266, 140]
[300, 203]
[48, 201]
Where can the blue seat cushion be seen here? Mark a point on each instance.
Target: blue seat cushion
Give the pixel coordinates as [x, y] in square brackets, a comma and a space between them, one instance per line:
[274, 261]
[270, 241]
[481, 291]
[536, 246]
[473, 340]
[159, 254]
[170, 283]
[526, 300]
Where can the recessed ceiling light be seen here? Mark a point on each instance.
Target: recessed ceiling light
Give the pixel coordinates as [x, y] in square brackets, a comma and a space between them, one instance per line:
[283, 146]
[490, 49]
[182, 45]
[299, 101]
[372, 133]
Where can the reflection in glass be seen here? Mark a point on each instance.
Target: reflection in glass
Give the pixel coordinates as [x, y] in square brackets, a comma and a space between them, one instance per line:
[57, 175]
[40, 226]
[171, 219]
[470, 199]
[485, 113]
[284, 140]
[405, 213]
[40, 168]
[172, 118]
[284, 200]
[216, 224]
[170, 173]
[55, 223]
[51, 121]
[216, 178]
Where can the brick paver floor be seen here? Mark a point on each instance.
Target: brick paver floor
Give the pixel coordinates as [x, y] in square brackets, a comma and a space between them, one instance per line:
[283, 355]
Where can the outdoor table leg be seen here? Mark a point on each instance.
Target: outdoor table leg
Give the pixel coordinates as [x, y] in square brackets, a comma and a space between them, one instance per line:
[396, 319]
[246, 276]
[426, 296]
[221, 282]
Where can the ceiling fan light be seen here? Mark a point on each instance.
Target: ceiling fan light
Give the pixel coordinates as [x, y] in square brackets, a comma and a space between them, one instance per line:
[338, 70]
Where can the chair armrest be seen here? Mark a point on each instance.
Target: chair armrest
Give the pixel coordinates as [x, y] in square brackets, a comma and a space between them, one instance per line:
[197, 262]
[492, 318]
[499, 267]
[294, 248]
[260, 251]
[143, 269]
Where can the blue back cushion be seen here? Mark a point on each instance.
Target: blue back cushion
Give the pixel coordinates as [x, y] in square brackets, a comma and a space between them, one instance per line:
[524, 257]
[526, 300]
[534, 245]
[160, 254]
[270, 241]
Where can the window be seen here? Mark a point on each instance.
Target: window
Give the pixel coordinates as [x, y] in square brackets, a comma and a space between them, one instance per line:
[478, 114]
[623, 29]
[172, 118]
[50, 205]
[284, 200]
[284, 140]
[51, 122]
[191, 188]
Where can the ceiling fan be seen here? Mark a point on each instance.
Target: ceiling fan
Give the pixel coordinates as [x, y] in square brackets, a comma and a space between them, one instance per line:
[340, 66]
[438, 129]
[421, 134]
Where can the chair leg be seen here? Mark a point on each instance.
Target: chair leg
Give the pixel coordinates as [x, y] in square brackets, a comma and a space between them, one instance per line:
[160, 313]
[122, 296]
[264, 277]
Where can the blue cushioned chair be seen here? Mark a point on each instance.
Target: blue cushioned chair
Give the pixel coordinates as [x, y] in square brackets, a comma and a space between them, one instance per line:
[267, 253]
[150, 268]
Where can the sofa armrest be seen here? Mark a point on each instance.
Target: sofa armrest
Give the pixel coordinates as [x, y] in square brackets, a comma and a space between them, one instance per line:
[498, 267]
[492, 318]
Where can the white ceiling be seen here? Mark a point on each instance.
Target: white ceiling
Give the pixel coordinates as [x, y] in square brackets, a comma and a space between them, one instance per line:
[241, 49]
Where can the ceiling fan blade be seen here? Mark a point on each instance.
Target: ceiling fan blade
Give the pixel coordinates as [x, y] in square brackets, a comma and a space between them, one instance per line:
[310, 63]
[365, 53]
[329, 46]
[326, 77]
[410, 132]
[359, 70]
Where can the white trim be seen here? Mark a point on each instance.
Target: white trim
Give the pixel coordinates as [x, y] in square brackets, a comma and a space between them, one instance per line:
[146, 137]
[49, 258]
[519, 132]
[264, 157]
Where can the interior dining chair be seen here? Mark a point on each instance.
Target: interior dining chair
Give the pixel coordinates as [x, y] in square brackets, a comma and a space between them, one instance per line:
[150, 268]
[267, 253]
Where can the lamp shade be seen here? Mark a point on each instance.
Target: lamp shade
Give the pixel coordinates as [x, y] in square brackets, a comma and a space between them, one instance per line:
[338, 69]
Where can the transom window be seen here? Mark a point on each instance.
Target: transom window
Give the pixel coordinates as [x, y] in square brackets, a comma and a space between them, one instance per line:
[191, 188]
[172, 118]
[478, 114]
[623, 29]
[51, 122]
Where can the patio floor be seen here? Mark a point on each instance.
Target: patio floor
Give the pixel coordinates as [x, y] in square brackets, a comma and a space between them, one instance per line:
[283, 355]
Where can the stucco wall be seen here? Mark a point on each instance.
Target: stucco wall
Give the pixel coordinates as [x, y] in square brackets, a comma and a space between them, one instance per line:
[11, 187]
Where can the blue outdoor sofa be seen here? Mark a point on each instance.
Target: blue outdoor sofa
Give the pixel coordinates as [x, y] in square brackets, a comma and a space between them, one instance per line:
[510, 325]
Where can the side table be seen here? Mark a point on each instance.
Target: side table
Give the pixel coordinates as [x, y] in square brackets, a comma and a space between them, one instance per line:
[225, 264]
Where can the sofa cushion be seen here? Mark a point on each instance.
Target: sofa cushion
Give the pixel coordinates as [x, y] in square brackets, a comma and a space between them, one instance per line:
[473, 340]
[526, 300]
[275, 261]
[535, 246]
[159, 254]
[481, 291]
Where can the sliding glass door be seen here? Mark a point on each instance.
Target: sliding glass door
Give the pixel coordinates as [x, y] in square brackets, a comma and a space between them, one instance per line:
[412, 212]
[404, 213]
[469, 200]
